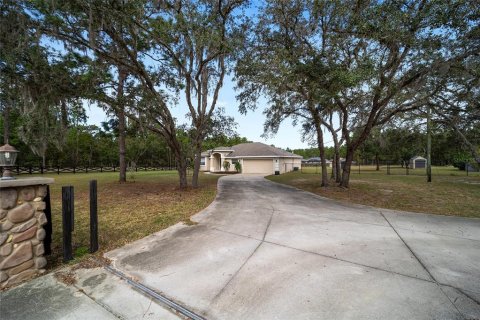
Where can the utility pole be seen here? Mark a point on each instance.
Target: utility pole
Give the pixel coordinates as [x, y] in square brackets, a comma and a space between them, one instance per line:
[429, 144]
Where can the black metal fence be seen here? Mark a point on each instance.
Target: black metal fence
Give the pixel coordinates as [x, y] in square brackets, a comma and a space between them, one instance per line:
[58, 170]
[385, 167]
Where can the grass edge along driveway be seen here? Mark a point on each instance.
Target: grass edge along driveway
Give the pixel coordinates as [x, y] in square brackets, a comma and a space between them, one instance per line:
[147, 203]
[450, 193]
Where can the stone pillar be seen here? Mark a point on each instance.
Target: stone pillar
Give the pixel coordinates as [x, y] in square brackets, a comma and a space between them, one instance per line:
[21, 229]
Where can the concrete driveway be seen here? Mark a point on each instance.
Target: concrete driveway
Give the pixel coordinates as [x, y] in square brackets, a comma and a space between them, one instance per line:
[267, 251]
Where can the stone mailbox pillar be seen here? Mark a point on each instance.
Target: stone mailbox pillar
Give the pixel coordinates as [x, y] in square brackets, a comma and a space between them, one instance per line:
[21, 229]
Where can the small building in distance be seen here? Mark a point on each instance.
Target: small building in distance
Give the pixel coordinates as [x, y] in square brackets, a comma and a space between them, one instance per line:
[418, 162]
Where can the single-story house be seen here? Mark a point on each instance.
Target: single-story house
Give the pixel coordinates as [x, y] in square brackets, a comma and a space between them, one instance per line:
[256, 157]
[418, 163]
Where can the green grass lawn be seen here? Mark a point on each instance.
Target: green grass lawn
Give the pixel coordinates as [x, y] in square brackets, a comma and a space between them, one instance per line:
[148, 202]
[451, 191]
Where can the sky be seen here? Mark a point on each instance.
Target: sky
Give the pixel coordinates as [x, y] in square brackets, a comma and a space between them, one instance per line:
[249, 125]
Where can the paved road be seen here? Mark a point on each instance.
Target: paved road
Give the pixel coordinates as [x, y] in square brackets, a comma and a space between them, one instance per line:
[267, 251]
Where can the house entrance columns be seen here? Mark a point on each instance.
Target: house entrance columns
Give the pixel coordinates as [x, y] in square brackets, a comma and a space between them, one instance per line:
[216, 162]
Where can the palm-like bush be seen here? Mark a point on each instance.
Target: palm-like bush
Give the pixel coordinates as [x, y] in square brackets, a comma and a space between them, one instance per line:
[226, 165]
[238, 166]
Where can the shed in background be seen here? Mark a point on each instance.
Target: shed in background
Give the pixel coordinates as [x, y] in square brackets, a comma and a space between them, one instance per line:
[418, 163]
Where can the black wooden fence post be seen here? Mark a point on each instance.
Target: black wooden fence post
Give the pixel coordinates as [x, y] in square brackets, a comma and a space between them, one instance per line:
[67, 217]
[48, 226]
[93, 217]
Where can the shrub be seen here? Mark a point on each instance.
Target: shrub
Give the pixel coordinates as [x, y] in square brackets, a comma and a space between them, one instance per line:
[226, 165]
[460, 160]
[238, 166]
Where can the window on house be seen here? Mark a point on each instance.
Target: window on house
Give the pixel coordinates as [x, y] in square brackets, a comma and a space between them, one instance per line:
[202, 161]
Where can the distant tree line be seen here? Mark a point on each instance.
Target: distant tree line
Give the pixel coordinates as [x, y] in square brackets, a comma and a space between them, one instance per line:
[90, 145]
[308, 153]
[398, 145]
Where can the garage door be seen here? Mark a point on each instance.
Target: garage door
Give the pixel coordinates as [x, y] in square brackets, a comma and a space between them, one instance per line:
[264, 167]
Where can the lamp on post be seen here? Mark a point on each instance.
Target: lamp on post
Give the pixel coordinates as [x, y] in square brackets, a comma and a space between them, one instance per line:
[8, 156]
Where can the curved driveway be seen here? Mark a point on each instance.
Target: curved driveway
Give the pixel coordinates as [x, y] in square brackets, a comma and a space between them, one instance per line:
[268, 251]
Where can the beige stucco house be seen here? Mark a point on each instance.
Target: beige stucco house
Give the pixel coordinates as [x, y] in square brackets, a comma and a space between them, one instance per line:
[256, 158]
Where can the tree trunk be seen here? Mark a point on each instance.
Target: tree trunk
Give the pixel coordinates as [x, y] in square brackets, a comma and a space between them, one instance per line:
[6, 124]
[196, 166]
[122, 145]
[336, 158]
[321, 149]
[333, 176]
[121, 127]
[347, 168]
[338, 166]
[77, 137]
[429, 146]
[352, 146]
[182, 172]
[377, 162]
[64, 114]
[179, 157]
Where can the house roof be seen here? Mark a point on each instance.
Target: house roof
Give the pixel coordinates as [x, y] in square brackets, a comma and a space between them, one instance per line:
[258, 149]
[223, 149]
